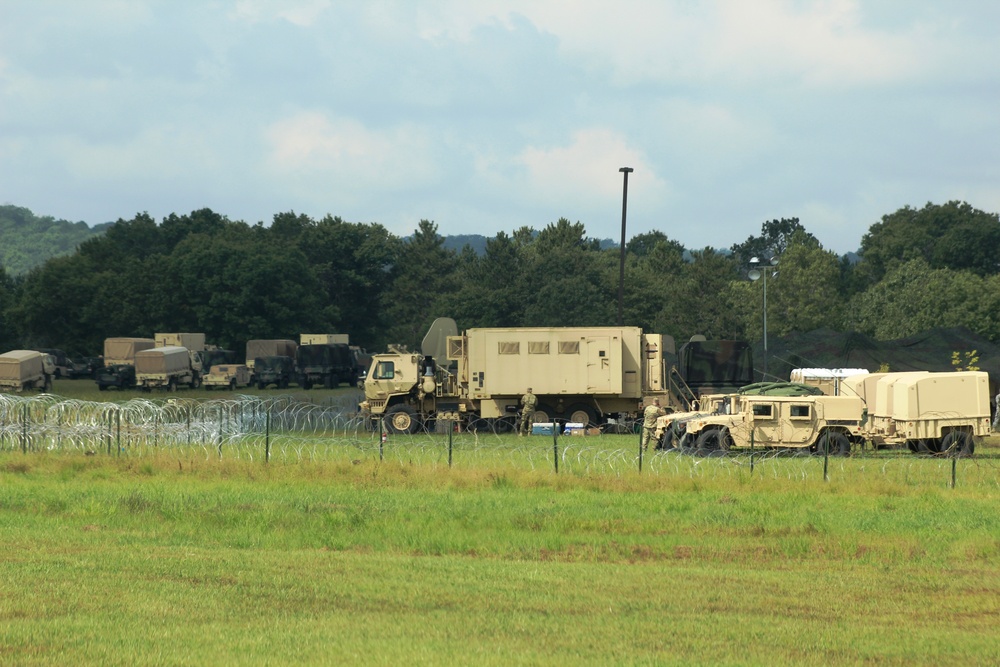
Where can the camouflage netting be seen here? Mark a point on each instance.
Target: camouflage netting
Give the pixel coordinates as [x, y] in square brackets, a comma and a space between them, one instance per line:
[927, 351]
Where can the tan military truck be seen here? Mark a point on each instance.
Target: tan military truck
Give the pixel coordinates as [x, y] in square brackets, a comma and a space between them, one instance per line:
[927, 412]
[271, 347]
[579, 374]
[194, 342]
[26, 369]
[119, 362]
[227, 376]
[165, 368]
[815, 423]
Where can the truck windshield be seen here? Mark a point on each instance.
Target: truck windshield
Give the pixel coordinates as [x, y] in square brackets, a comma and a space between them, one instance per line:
[385, 370]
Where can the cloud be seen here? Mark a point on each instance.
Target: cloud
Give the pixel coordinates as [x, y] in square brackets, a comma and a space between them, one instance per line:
[310, 149]
[303, 13]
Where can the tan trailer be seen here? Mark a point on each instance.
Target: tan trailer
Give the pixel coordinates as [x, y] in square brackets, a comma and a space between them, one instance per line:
[323, 339]
[194, 342]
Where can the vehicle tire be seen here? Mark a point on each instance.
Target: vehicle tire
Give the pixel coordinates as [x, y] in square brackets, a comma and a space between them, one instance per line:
[196, 382]
[714, 440]
[505, 424]
[283, 383]
[958, 444]
[837, 443]
[328, 382]
[172, 384]
[401, 418]
[306, 384]
[102, 387]
[261, 385]
[581, 413]
[479, 425]
[47, 385]
[232, 385]
[543, 414]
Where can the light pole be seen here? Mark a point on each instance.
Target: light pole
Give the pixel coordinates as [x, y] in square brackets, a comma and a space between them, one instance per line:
[756, 274]
[621, 265]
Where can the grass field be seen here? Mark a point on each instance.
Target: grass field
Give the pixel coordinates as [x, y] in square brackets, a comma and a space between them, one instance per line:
[176, 558]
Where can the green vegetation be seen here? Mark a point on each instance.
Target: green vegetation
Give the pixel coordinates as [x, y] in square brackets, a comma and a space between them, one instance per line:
[236, 281]
[187, 560]
[29, 240]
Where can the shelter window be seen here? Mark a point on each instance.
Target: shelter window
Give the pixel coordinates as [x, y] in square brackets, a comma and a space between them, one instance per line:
[510, 348]
[385, 370]
[569, 347]
[799, 411]
[538, 347]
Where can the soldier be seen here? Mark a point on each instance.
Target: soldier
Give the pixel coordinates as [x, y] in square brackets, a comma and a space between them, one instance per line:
[528, 404]
[649, 416]
[996, 416]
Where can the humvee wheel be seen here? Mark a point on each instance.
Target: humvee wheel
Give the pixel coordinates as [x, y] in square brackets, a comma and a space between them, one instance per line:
[835, 442]
[715, 440]
[958, 444]
[401, 419]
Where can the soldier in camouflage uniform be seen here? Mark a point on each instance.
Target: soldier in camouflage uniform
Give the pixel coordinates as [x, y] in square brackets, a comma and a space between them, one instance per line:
[649, 415]
[528, 404]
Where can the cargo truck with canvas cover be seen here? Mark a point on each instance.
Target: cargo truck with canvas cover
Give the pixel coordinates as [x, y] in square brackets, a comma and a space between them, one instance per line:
[578, 374]
[269, 347]
[276, 370]
[119, 362]
[325, 364]
[165, 367]
[26, 369]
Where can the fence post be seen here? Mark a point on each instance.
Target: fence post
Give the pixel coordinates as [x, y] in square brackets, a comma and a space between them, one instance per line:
[826, 459]
[642, 432]
[118, 427]
[24, 429]
[751, 451]
[451, 434]
[267, 436]
[954, 465]
[382, 437]
[555, 445]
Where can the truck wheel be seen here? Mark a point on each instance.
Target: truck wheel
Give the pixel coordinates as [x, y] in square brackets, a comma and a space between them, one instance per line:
[196, 382]
[172, 385]
[581, 413]
[306, 384]
[328, 382]
[543, 415]
[835, 442]
[102, 387]
[47, 385]
[232, 385]
[401, 419]
[261, 385]
[283, 384]
[958, 444]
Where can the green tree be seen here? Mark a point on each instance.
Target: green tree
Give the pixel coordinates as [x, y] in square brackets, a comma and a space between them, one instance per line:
[775, 237]
[492, 291]
[951, 236]
[425, 274]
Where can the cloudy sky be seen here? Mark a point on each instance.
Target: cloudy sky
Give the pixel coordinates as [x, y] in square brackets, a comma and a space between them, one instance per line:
[488, 115]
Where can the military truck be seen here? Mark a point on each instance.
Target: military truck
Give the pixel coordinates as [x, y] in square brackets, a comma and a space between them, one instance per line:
[119, 362]
[325, 364]
[579, 375]
[276, 347]
[277, 370]
[227, 376]
[926, 412]
[166, 368]
[26, 369]
[62, 364]
[815, 423]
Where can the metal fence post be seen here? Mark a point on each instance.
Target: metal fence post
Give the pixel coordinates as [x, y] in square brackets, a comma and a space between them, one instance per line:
[451, 434]
[267, 437]
[555, 445]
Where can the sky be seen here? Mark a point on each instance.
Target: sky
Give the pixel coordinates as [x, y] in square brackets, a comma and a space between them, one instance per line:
[486, 116]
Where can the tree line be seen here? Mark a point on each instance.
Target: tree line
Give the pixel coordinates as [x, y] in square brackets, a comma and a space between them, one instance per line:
[918, 269]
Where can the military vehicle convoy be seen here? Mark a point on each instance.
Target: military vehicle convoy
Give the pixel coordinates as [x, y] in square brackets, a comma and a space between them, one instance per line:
[595, 375]
[26, 369]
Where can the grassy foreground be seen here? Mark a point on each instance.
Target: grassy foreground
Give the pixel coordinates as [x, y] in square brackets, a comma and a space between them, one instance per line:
[194, 561]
